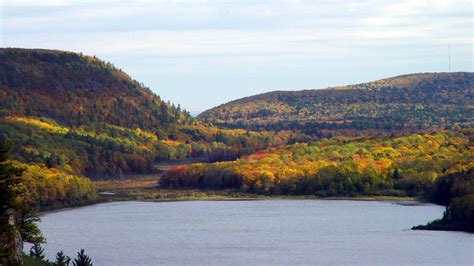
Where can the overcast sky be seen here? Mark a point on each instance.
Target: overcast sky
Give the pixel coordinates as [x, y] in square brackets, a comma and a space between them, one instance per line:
[204, 53]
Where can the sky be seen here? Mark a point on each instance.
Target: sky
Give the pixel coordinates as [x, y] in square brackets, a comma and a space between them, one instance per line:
[200, 54]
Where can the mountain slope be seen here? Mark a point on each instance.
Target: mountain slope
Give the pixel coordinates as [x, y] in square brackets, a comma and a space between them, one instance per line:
[74, 89]
[81, 115]
[409, 102]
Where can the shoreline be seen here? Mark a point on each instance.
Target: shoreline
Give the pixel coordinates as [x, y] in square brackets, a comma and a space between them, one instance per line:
[446, 226]
[362, 198]
[164, 195]
[205, 195]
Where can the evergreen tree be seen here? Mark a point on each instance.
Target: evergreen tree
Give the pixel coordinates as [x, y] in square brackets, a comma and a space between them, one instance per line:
[37, 251]
[62, 260]
[165, 117]
[82, 259]
[16, 216]
[396, 175]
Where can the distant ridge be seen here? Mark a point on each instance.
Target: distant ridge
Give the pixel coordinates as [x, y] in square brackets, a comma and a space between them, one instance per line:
[407, 102]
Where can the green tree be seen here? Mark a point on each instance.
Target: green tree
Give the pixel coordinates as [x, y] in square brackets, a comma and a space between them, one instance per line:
[82, 259]
[61, 259]
[16, 216]
[37, 251]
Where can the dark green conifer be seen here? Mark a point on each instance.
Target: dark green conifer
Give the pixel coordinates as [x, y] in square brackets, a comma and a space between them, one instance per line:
[61, 259]
[37, 251]
[16, 215]
[82, 259]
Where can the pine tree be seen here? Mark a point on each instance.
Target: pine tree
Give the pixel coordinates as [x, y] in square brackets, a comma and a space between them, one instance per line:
[16, 215]
[396, 174]
[9, 182]
[61, 259]
[82, 259]
[37, 251]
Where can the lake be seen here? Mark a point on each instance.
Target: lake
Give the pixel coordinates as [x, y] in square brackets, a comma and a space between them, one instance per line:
[255, 232]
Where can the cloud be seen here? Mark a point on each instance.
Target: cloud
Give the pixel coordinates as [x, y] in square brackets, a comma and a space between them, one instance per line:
[178, 15]
[226, 27]
[35, 3]
[212, 42]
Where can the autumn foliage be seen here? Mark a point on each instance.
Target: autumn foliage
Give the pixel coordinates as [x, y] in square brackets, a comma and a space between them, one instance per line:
[407, 103]
[407, 165]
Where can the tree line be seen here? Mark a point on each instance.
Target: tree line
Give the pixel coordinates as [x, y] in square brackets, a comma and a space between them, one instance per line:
[341, 166]
[456, 192]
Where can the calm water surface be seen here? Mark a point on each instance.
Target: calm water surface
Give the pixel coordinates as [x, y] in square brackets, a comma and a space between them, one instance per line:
[255, 232]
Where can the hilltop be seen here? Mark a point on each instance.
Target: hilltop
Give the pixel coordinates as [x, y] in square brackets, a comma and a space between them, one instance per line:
[405, 103]
[74, 89]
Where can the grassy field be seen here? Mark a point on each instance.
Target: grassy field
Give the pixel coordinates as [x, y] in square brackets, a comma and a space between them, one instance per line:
[144, 188]
[136, 182]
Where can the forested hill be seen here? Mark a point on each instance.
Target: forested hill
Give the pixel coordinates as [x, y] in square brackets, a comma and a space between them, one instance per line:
[83, 116]
[74, 89]
[403, 103]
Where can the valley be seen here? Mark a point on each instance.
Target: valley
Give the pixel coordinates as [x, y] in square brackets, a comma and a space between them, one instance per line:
[111, 138]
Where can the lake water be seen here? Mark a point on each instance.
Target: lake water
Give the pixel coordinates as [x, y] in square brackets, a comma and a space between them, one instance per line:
[255, 232]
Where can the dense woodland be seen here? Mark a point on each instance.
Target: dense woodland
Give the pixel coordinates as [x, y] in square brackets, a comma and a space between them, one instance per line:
[407, 103]
[456, 192]
[74, 90]
[113, 151]
[24, 188]
[49, 188]
[342, 166]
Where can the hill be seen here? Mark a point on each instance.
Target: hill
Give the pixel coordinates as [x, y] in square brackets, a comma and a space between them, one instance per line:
[74, 89]
[84, 116]
[405, 103]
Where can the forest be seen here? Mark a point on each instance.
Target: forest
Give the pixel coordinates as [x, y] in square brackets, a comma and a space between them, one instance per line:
[25, 188]
[406, 103]
[112, 151]
[456, 192]
[342, 166]
[90, 90]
